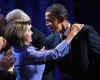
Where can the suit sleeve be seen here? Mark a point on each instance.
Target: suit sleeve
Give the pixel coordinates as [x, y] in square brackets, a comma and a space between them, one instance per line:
[93, 40]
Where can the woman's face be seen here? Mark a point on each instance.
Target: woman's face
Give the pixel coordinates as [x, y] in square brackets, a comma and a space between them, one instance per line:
[28, 34]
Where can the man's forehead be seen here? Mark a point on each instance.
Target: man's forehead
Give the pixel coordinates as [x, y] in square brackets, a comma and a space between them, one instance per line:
[49, 15]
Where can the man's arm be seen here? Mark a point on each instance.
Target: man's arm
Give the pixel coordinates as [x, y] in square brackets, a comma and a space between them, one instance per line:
[93, 40]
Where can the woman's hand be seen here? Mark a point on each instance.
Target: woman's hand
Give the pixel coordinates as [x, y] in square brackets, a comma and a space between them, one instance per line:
[75, 29]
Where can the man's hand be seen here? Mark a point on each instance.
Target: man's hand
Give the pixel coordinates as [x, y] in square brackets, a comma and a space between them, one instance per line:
[43, 49]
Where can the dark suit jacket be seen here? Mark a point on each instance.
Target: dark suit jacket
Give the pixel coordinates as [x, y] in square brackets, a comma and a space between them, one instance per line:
[37, 38]
[85, 48]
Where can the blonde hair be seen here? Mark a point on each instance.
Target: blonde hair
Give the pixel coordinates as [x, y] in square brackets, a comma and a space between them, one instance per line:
[15, 34]
[17, 15]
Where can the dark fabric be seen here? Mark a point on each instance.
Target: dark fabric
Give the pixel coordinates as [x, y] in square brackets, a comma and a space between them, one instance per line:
[85, 48]
[37, 38]
[7, 76]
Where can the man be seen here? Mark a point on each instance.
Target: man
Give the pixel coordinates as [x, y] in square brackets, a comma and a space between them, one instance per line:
[84, 47]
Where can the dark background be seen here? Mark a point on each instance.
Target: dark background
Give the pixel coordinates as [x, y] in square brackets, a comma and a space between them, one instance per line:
[80, 11]
[88, 12]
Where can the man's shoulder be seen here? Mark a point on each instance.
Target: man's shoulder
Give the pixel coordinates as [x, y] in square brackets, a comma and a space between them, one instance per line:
[83, 33]
[88, 27]
[53, 36]
[52, 40]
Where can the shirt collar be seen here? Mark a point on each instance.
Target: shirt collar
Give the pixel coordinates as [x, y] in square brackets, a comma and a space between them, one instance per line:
[67, 30]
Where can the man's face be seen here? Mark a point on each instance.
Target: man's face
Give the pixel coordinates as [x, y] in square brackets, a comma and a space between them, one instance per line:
[51, 22]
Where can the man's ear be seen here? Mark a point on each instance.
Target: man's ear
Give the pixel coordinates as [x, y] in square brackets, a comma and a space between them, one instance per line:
[61, 19]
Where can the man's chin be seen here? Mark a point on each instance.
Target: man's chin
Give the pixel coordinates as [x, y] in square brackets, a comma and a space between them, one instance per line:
[53, 31]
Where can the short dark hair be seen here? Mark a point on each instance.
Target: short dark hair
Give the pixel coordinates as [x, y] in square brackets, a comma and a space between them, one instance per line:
[57, 10]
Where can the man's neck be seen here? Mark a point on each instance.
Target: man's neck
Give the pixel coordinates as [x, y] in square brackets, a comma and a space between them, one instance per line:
[65, 26]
